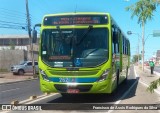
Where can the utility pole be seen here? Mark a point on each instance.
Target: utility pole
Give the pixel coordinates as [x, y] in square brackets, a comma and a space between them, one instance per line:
[139, 37]
[28, 22]
[143, 30]
[138, 51]
[30, 39]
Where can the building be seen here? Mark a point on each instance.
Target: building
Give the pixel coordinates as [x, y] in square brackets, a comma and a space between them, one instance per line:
[158, 56]
[14, 49]
[18, 41]
[21, 42]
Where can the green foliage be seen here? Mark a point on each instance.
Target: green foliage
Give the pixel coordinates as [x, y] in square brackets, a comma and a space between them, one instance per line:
[157, 2]
[143, 9]
[135, 58]
[153, 85]
[3, 70]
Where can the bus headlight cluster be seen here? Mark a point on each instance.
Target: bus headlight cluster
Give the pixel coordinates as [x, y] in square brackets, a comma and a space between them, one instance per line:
[104, 75]
[44, 76]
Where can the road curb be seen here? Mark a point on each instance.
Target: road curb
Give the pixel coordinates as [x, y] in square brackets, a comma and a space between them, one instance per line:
[145, 84]
[38, 98]
[33, 97]
[127, 92]
[15, 102]
[158, 74]
[18, 81]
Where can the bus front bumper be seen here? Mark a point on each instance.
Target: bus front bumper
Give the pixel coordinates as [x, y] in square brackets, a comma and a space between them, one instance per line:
[95, 87]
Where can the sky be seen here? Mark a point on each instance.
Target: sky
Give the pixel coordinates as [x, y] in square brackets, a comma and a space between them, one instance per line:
[13, 12]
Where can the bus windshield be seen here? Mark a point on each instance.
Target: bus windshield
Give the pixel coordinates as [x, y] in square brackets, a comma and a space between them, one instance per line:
[74, 47]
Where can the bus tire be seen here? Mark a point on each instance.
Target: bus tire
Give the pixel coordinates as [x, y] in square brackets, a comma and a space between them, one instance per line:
[115, 91]
[117, 80]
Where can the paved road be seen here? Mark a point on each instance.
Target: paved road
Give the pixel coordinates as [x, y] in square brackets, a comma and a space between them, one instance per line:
[75, 101]
[109, 99]
[157, 69]
[18, 91]
[137, 95]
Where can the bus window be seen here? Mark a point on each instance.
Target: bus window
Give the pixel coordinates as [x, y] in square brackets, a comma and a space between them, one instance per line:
[123, 44]
[115, 41]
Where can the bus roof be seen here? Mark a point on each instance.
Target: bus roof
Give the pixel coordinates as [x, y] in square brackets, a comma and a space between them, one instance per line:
[88, 13]
[78, 13]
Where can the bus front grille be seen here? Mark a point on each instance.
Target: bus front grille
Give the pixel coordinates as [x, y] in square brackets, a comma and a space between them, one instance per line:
[81, 88]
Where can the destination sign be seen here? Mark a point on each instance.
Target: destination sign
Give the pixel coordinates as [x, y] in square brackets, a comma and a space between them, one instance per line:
[75, 20]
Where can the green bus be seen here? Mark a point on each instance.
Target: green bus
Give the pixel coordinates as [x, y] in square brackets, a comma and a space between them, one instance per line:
[83, 52]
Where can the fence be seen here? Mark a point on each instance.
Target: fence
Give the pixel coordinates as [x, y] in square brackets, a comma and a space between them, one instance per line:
[13, 57]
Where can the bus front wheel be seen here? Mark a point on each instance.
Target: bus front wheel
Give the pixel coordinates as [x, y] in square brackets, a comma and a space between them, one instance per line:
[117, 79]
[115, 91]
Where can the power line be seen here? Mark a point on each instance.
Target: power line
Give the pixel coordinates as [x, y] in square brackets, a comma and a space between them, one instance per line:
[12, 22]
[11, 18]
[18, 14]
[13, 11]
[11, 27]
[14, 15]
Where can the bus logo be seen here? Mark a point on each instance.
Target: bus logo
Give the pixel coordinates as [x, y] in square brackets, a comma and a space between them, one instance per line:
[6, 107]
[78, 62]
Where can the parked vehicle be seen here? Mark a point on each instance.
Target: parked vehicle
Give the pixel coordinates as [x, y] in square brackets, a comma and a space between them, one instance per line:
[24, 67]
[146, 63]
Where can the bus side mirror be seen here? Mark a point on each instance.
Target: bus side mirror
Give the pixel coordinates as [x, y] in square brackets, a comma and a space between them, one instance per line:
[34, 33]
[34, 36]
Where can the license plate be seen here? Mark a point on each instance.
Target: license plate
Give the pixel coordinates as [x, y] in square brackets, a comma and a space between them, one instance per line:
[73, 91]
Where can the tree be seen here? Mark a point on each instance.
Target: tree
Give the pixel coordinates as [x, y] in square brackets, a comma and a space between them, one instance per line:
[154, 85]
[143, 9]
[135, 58]
[156, 1]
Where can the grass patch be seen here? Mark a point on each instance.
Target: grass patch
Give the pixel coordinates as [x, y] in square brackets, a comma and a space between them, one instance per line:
[35, 76]
[3, 70]
[29, 78]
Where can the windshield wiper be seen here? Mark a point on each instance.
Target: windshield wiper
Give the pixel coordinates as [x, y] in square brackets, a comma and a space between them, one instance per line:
[91, 52]
[60, 32]
[85, 34]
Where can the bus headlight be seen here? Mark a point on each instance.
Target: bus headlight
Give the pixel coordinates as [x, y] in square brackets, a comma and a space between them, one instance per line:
[44, 76]
[104, 75]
